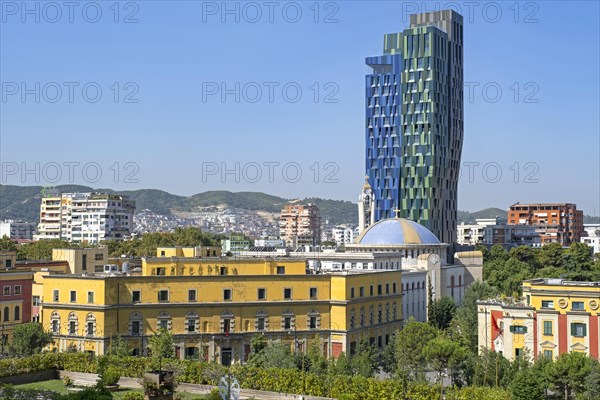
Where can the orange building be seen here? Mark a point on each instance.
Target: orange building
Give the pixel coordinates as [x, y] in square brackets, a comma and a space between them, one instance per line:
[555, 222]
[300, 225]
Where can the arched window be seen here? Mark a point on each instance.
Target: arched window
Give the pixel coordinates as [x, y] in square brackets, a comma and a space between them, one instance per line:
[394, 311]
[164, 321]
[379, 314]
[288, 320]
[387, 312]
[261, 321]
[17, 313]
[135, 324]
[227, 322]
[413, 286]
[6, 314]
[371, 315]
[362, 317]
[90, 325]
[313, 319]
[55, 322]
[460, 280]
[73, 324]
[452, 285]
[192, 322]
[352, 319]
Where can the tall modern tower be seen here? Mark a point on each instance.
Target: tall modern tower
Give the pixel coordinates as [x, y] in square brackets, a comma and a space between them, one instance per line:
[414, 122]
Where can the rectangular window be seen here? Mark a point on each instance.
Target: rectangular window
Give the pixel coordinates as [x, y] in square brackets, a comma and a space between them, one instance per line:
[223, 271]
[548, 354]
[17, 289]
[287, 293]
[192, 295]
[547, 304]
[379, 289]
[84, 262]
[260, 324]
[163, 324]
[6, 290]
[191, 325]
[226, 325]
[287, 323]
[394, 287]
[227, 294]
[136, 296]
[72, 328]
[99, 257]
[312, 292]
[518, 352]
[351, 293]
[90, 329]
[54, 326]
[361, 291]
[312, 323]
[387, 288]
[280, 270]
[518, 329]
[161, 271]
[547, 327]
[262, 294]
[73, 296]
[135, 327]
[163, 295]
[371, 290]
[578, 305]
[35, 301]
[578, 329]
[90, 297]
[55, 295]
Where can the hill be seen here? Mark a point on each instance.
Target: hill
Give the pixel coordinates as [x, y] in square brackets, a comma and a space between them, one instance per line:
[469, 217]
[24, 202]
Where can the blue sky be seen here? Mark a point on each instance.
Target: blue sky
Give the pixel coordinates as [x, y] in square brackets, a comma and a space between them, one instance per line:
[167, 126]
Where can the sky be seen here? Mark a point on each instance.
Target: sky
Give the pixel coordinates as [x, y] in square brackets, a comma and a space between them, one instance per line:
[190, 96]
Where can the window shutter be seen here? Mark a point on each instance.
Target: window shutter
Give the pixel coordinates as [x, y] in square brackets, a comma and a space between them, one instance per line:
[512, 329]
[572, 329]
[584, 326]
[319, 321]
[256, 324]
[267, 323]
[232, 324]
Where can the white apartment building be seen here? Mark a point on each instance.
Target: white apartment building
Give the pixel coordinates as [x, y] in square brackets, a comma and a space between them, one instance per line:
[343, 235]
[86, 217]
[17, 229]
[593, 236]
[472, 234]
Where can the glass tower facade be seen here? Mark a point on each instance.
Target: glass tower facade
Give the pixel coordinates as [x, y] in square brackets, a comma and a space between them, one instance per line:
[414, 123]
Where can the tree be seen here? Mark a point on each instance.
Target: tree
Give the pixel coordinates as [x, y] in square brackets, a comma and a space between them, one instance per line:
[274, 355]
[409, 343]
[465, 319]
[364, 360]
[549, 255]
[388, 357]
[7, 245]
[28, 339]
[592, 381]
[568, 373]
[161, 347]
[440, 312]
[490, 368]
[527, 385]
[442, 353]
[341, 366]
[118, 347]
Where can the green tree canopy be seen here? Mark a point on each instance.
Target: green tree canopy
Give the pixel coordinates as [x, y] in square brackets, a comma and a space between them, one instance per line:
[409, 343]
[440, 312]
[27, 339]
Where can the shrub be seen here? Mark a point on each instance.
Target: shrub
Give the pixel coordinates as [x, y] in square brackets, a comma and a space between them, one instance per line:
[67, 380]
[133, 396]
[110, 376]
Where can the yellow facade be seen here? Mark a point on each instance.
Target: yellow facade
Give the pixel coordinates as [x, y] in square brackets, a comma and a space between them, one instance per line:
[555, 317]
[88, 260]
[214, 307]
[198, 251]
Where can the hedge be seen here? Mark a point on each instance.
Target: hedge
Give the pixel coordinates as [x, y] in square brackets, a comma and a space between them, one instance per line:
[270, 379]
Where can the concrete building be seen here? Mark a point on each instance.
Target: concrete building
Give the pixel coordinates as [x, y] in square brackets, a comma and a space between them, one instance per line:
[235, 244]
[80, 261]
[343, 235]
[414, 123]
[15, 304]
[86, 217]
[17, 229]
[592, 237]
[472, 234]
[300, 225]
[214, 306]
[514, 235]
[555, 222]
[556, 317]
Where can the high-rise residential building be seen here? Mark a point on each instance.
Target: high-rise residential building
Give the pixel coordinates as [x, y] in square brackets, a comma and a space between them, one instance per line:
[86, 217]
[414, 122]
[17, 229]
[300, 225]
[561, 223]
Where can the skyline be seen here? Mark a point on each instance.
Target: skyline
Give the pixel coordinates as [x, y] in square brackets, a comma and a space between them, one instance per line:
[168, 109]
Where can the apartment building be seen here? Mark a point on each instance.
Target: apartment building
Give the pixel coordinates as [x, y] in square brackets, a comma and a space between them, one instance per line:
[300, 225]
[556, 317]
[472, 234]
[86, 217]
[214, 306]
[555, 222]
[17, 229]
[15, 301]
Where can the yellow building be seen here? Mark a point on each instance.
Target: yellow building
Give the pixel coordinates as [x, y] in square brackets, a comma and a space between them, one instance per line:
[88, 260]
[197, 251]
[8, 259]
[214, 306]
[555, 317]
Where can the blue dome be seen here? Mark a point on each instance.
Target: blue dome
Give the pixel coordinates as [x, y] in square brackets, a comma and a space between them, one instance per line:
[396, 231]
